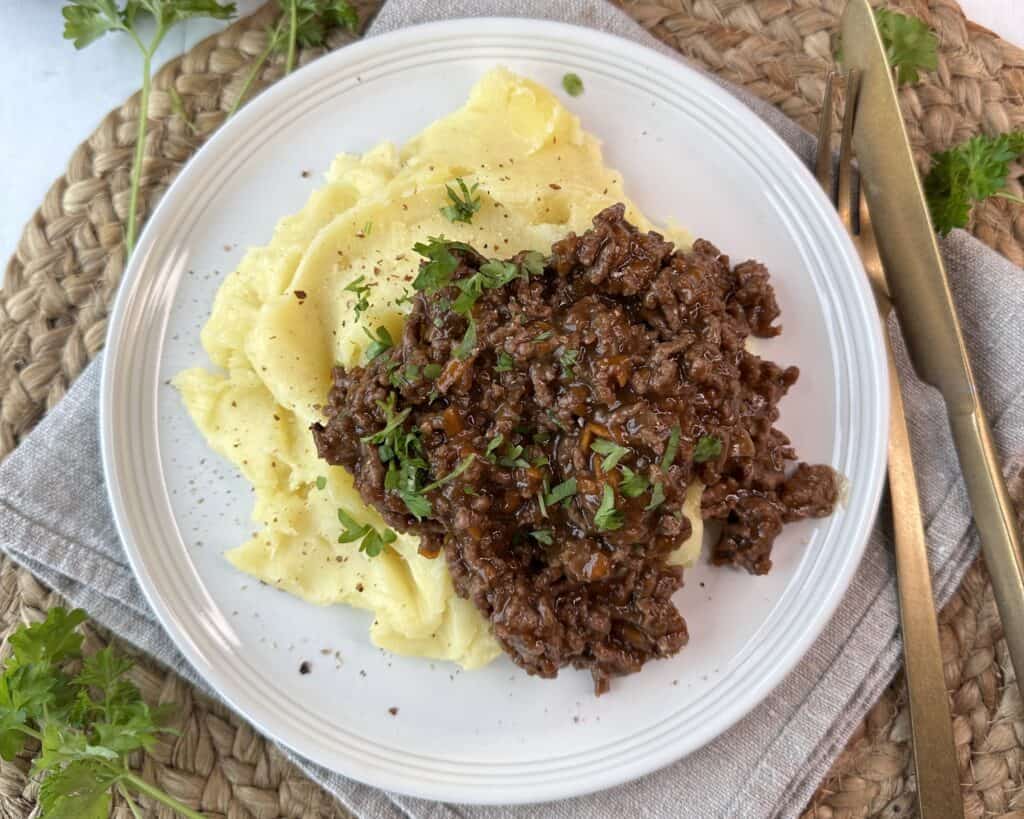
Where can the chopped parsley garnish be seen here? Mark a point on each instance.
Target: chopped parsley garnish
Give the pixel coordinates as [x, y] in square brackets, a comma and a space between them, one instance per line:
[418, 506]
[367, 229]
[392, 423]
[513, 457]
[492, 446]
[462, 207]
[613, 453]
[505, 363]
[436, 273]
[400, 376]
[451, 476]
[542, 536]
[608, 518]
[633, 484]
[544, 336]
[321, 482]
[568, 360]
[432, 371]
[553, 418]
[465, 347]
[564, 491]
[372, 542]
[362, 292]
[671, 449]
[572, 84]
[379, 344]
[402, 451]
[533, 263]
[492, 274]
[708, 447]
[657, 497]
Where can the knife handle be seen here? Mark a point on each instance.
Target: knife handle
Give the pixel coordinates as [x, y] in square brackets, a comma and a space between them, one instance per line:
[935, 762]
[996, 522]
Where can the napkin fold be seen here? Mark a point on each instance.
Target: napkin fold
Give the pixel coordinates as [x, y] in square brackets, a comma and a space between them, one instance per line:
[55, 521]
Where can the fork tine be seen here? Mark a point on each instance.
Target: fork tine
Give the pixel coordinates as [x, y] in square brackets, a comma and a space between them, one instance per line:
[844, 195]
[823, 156]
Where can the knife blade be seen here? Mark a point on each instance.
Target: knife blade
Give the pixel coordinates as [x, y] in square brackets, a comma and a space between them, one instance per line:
[916, 277]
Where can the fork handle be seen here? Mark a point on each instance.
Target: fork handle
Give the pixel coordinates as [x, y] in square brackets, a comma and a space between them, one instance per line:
[994, 518]
[938, 775]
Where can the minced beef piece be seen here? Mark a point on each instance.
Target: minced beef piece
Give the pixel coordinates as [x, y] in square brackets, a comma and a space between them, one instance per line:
[540, 419]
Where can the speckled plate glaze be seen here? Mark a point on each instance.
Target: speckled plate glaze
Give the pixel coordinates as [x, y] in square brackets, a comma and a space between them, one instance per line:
[690, 153]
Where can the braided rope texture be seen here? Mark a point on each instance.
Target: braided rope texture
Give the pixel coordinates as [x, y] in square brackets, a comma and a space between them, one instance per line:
[60, 284]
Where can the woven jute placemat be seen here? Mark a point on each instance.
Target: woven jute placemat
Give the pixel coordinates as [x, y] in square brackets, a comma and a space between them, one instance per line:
[60, 284]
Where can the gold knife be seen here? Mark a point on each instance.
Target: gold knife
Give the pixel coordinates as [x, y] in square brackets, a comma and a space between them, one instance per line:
[917, 282]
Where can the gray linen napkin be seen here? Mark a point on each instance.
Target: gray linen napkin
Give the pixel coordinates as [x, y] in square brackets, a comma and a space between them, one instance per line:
[54, 519]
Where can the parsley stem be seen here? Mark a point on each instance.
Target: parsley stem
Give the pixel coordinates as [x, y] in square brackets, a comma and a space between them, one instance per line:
[251, 76]
[153, 792]
[31, 732]
[140, 136]
[293, 35]
[1009, 196]
[129, 801]
[140, 149]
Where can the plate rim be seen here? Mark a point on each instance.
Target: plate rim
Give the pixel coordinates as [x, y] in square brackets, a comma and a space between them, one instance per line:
[515, 29]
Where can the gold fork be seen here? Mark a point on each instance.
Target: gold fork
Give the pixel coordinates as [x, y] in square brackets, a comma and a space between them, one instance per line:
[938, 775]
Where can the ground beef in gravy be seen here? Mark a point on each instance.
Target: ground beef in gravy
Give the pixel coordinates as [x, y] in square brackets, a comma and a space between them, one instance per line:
[617, 349]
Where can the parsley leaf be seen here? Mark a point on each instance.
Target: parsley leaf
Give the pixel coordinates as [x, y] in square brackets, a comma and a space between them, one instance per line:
[572, 84]
[909, 44]
[465, 347]
[492, 446]
[432, 371]
[362, 292]
[436, 273]
[633, 484]
[51, 641]
[542, 536]
[567, 360]
[532, 263]
[505, 363]
[708, 448]
[451, 476]
[492, 274]
[613, 453]
[321, 482]
[461, 208]
[671, 448]
[969, 173]
[372, 542]
[85, 21]
[418, 506]
[379, 344]
[564, 491]
[657, 497]
[608, 518]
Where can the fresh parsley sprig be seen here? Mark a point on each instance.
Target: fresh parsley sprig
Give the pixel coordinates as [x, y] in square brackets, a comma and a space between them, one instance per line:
[608, 518]
[463, 202]
[85, 21]
[909, 44]
[302, 22]
[371, 542]
[708, 448]
[86, 713]
[969, 173]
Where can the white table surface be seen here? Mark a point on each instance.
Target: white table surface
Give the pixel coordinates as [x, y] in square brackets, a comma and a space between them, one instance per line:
[53, 96]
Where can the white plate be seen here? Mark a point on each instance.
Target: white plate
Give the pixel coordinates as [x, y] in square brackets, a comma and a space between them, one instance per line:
[689, 152]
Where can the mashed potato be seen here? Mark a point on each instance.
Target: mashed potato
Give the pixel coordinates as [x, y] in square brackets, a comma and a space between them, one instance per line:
[284, 318]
